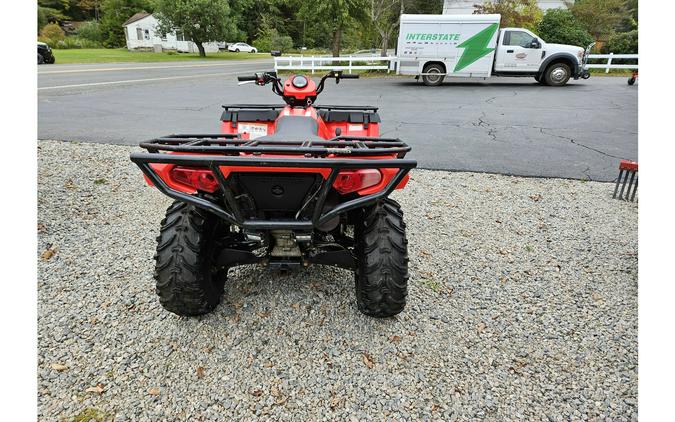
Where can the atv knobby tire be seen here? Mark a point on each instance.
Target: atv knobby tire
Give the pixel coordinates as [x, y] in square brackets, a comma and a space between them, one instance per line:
[186, 282]
[382, 260]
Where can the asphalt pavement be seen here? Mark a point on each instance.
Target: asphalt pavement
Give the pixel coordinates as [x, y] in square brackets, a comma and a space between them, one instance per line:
[500, 125]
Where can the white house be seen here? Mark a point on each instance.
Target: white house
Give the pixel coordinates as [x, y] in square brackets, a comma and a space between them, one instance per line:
[466, 7]
[140, 33]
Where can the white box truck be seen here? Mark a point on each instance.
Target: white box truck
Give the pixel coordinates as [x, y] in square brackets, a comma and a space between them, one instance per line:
[433, 46]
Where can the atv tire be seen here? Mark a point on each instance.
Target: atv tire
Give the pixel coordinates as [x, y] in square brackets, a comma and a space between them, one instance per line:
[433, 80]
[186, 282]
[382, 260]
[41, 60]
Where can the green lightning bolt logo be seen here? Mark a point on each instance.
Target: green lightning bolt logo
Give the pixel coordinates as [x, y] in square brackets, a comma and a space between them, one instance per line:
[476, 47]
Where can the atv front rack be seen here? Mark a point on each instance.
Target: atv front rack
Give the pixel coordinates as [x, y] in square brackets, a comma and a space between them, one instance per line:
[216, 151]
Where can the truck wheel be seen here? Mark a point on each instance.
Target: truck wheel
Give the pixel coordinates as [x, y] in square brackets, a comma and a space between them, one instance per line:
[557, 74]
[433, 80]
[186, 282]
[382, 260]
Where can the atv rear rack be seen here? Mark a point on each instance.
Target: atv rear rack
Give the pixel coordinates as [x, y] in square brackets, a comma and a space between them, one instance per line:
[216, 151]
[233, 144]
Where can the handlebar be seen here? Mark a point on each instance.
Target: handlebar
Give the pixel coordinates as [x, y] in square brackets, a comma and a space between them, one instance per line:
[337, 74]
[271, 77]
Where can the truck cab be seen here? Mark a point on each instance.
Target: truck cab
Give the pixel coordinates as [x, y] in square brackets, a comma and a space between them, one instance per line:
[521, 53]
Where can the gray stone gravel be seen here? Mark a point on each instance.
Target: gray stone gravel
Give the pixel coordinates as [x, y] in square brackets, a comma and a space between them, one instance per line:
[522, 306]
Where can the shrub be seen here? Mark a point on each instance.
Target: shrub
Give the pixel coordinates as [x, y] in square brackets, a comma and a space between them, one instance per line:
[53, 32]
[622, 43]
[90, 31]
[270, 39]
[560, 26]
[70, 42]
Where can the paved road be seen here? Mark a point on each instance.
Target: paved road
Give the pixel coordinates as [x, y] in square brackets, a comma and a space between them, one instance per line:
[503, 125]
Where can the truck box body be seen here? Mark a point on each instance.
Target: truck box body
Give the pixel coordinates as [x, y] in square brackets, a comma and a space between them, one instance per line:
[465, 44]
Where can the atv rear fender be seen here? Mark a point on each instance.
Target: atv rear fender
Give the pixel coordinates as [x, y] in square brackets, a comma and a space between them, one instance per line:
[323, 157]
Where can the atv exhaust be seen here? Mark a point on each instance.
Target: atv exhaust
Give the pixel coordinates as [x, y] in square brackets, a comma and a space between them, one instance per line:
[627, 169]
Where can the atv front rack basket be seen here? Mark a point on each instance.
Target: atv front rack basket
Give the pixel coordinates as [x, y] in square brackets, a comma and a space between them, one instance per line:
[222, 150]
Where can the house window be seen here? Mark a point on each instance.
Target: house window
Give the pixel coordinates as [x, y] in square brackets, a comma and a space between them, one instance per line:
[126, 33]
[147, 34]
[181, 37]
[139, 33]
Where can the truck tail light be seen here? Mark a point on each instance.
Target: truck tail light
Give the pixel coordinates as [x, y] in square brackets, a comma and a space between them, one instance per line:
[349, 181]
[200, 179]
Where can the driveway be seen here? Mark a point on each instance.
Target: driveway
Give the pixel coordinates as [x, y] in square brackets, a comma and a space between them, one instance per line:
[503, 125]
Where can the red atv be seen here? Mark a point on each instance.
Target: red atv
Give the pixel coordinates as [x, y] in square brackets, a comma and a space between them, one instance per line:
[284, 186]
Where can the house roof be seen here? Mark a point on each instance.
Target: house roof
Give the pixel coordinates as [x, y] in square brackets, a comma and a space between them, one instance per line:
[136, 17]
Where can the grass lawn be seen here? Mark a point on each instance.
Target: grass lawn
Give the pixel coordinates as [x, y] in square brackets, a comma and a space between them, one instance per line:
[111, 55]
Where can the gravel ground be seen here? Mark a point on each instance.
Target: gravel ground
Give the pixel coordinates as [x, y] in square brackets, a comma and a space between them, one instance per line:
[522, 306]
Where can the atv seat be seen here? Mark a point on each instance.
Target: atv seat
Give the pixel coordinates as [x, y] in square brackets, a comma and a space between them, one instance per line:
[294, 128]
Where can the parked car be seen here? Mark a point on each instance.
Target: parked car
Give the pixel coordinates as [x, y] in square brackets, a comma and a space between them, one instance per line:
[241, 46]
[45, 54]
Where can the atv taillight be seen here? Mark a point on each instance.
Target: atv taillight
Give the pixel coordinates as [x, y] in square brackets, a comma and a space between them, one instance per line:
[349, 181]
[200, 179]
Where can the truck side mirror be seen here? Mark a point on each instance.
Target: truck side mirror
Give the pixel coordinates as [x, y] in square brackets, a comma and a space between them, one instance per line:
[535, 44]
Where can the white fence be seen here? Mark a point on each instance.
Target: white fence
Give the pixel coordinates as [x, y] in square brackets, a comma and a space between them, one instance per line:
[351, 63]
[348, 63]
[609, 65]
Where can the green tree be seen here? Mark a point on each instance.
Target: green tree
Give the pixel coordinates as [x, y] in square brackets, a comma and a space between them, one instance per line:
[77, 10]
[629, 21]
[622, 43]
[560, 26]
[430, 7]
[51, 15]
[600, 17]
[333, 17]
[41, 19]
[200, 20]
[384, 17]
[114, 14]
[89, 8]
[515, 13]
[269, 38]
